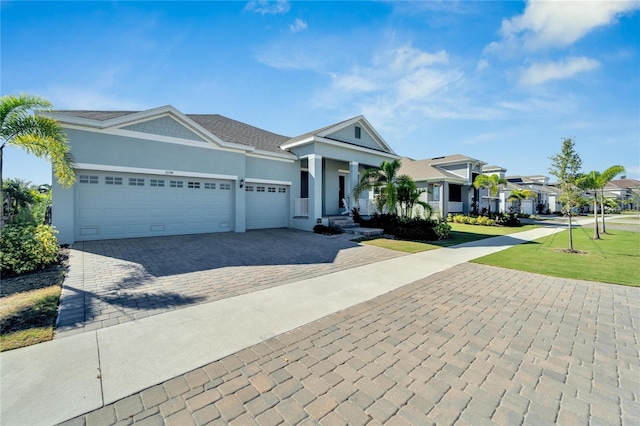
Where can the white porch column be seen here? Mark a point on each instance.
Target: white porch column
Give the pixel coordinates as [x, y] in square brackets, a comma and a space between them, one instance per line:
[315, 186]
[444, 200]
[353, 182]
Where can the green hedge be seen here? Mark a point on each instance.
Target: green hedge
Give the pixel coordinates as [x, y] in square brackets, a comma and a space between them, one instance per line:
[501, 219]
[412, 229]
[27, 248]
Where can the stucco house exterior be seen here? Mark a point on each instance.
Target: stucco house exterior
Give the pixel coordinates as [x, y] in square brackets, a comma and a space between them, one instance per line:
[622, 191]
[547, 196]
[163, 172]
[448, 181]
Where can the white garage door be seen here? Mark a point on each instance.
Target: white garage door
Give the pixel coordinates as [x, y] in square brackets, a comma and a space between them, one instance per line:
[111, 205]
[267, 206]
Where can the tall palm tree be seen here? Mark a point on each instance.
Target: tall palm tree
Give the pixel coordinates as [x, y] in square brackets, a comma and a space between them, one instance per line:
[384, 179]
[22, 126]
[492, 183]
[605, 177]
[590, 182]
[521, 195]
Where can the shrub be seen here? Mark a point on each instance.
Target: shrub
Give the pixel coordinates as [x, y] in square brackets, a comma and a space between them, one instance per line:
[442, 230]
[470, 220]
[27, 248]
[507, 219]
[327, 230]
[405, 228]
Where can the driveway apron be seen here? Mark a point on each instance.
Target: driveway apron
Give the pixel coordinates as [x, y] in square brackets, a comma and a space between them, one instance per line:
[116, 281]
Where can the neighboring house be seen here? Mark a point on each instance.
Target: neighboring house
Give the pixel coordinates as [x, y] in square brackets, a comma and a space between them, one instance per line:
[547, 197]
[621, 190]
[448, 181]
[497, 202]
[162, 172]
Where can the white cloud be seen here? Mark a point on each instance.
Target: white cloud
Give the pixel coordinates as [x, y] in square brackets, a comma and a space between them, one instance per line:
[298, 25]
[264, 7]
[558, 23]
[542, 72]
[65, 97]
[483, 138]
[482, 65]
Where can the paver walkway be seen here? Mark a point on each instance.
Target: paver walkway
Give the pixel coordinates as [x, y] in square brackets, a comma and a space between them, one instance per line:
[473, 345]
[116, 281]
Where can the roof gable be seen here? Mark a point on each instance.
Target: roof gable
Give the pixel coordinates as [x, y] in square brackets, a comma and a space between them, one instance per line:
[344, 132]
[164, 126]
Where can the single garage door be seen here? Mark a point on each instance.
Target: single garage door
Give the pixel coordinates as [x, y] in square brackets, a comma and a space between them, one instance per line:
[267, 206]
[135, 205]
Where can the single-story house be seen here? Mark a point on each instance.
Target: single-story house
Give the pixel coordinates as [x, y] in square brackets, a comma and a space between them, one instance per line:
[448, 181]
[547, 197]
[163, 172]
[622, 191]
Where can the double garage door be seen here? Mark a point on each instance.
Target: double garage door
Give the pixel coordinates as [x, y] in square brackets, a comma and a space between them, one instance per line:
[112, 205]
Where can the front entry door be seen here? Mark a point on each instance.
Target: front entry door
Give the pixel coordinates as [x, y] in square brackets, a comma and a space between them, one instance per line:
[341, 191]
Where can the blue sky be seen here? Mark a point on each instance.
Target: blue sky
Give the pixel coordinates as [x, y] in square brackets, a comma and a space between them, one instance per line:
[503, 82]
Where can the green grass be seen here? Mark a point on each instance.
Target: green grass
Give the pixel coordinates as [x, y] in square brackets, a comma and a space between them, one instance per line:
[28, 307]
[460, 233]
[615, 258]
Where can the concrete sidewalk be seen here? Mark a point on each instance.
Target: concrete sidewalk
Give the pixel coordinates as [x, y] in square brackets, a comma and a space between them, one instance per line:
[58, 380]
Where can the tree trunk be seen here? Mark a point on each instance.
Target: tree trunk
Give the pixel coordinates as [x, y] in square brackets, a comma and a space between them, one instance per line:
[596, 235]
[570, 234]
[604, 230]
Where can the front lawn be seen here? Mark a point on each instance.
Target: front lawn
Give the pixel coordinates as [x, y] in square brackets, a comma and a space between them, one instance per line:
[460, 233]
[614, 258]
[28, 306]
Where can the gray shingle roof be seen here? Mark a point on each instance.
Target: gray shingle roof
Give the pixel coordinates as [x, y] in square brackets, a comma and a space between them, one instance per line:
[235, 131]
[314, 132]
[423, 170]
[225, 128]
[94, 115]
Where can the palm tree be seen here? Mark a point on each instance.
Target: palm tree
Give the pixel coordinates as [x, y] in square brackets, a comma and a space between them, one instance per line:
[384, 179]
[409, 196]
[22, 126]
[605, 177]
[521, 195]
[17, 193]
[590, 182]
[492, 183]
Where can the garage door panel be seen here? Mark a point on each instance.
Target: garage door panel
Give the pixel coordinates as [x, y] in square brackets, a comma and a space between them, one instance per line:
[119, 211]
[267, 206]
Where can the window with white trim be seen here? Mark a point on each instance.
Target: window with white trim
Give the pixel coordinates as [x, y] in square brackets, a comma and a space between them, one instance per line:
[209, 185]
[225, 186]
[259, 188]
[272, 189]
[113, 180]
[136, 182]
[91, 179]
[193, 185]
[358, 132]
[176, 184]
[158, 183]
[282, 190]
[248, 188]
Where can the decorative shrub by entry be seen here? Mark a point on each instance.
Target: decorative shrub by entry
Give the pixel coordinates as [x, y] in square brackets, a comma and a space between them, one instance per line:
[27, 248]
[416, 228]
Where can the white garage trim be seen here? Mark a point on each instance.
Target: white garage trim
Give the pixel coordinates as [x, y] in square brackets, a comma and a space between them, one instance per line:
[121, 169]
[268, 181]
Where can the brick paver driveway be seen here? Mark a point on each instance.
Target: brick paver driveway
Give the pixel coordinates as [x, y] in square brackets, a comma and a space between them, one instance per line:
[115, 281]
[471, 345]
